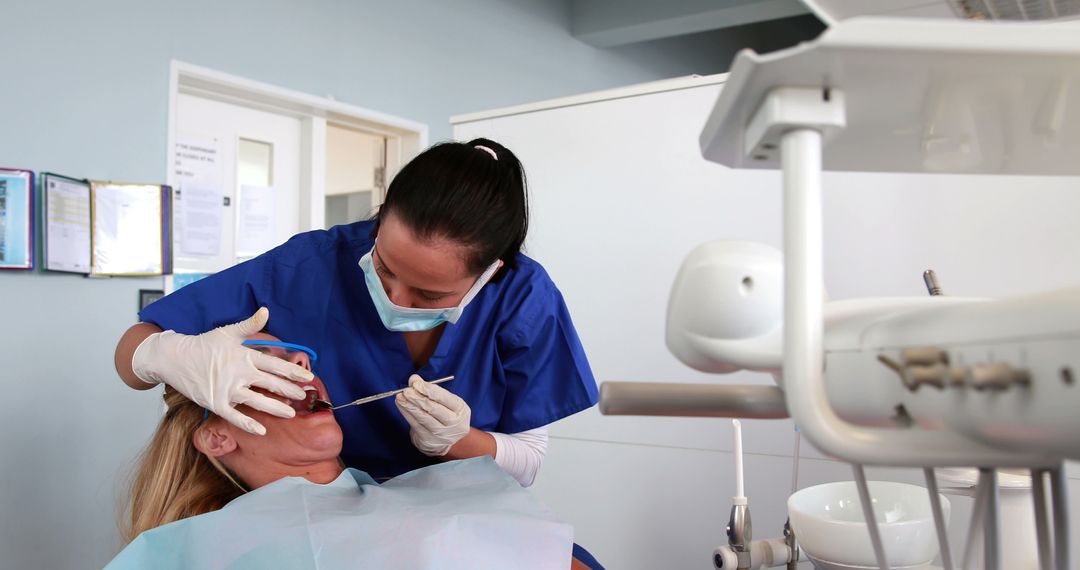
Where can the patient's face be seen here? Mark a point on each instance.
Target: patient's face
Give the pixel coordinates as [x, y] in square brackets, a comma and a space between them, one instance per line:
[310, 436]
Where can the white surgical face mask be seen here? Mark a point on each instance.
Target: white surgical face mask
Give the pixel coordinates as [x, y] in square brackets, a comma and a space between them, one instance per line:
[411, 319]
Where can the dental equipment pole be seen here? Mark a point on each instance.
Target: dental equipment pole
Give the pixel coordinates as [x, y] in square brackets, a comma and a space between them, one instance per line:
[992, 524]
[739, 529]
[939, 518]
[1061, 517]
[740, 495]
[795, 462]
[789, 534]
[977, 515]
[1042, 528]
[868, 514]
[800, 154]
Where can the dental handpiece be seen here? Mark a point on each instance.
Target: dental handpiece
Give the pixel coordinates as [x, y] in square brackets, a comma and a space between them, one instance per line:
[324, 405]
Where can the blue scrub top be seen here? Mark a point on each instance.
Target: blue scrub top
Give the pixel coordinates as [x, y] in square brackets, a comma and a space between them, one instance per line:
[515, 353]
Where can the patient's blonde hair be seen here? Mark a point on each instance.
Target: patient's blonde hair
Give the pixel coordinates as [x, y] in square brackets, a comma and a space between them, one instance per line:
[173, 480]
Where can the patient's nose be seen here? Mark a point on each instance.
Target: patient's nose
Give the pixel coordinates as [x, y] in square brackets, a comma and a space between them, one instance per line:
[300, 359]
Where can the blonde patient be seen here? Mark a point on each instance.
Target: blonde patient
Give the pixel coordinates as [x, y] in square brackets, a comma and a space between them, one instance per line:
[196, 463]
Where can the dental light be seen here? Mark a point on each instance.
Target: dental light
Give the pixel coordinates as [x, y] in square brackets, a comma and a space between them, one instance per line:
[742, 283]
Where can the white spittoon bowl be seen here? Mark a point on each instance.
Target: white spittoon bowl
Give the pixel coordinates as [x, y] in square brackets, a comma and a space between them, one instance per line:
[830, 528]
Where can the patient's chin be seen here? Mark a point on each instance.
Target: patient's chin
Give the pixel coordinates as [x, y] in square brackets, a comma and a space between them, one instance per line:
[307, 438]
[326, 441]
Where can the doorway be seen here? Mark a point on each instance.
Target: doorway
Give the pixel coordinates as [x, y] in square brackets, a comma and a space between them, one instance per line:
[236, 182]
[355, 174]
[253, 164]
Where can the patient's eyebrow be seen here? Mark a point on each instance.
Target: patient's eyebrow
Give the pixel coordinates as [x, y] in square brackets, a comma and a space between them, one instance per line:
[263, 348]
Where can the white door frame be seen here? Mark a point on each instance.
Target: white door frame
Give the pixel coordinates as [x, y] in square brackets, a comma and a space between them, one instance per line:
[405, 138]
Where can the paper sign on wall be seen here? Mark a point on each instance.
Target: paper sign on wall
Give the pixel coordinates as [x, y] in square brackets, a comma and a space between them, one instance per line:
[255, 224]
[201, 220]
[199, 205]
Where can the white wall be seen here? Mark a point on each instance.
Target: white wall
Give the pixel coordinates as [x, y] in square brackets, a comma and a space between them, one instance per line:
[620, 195]
[86, 94]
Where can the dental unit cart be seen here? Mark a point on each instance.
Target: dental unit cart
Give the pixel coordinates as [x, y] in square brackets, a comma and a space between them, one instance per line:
[929, 382]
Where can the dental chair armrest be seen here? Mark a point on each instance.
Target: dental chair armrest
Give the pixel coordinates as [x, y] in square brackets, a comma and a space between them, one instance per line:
[692, 400]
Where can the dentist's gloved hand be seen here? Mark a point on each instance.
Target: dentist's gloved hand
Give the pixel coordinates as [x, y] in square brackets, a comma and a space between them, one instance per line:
[215, 371]
[438, 417]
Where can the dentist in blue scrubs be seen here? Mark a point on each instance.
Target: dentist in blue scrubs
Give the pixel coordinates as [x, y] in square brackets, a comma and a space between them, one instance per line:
[434, 285]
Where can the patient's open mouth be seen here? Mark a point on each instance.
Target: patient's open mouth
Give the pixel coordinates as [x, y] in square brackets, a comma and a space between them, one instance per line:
[318, 405]
[311, 403]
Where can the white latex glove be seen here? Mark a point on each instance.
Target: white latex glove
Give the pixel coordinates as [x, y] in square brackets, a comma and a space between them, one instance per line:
[438, 418]
[215, 371]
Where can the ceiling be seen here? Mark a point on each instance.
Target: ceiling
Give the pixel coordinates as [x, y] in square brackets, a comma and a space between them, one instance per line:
[615, 23]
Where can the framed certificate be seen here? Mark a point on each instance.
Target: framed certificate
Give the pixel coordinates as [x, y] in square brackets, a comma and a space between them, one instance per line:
[66, 205]
[130, 229]
[16, 219]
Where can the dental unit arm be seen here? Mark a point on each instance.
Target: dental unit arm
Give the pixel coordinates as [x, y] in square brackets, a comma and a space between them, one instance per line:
[922, 382]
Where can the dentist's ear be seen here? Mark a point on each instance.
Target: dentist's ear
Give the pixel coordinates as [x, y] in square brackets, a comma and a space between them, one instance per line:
[213, 439]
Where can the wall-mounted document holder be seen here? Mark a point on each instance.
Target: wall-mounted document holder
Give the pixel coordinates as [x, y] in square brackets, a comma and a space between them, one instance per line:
[131, 229]
[66, 206]
[16, 219]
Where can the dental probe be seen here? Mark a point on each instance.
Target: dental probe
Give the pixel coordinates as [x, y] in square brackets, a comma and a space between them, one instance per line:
[324, 405]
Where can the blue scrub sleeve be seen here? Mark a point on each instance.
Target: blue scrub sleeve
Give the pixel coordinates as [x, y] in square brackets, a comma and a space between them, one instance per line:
[586, 558]
[546, 371]
[224, 298]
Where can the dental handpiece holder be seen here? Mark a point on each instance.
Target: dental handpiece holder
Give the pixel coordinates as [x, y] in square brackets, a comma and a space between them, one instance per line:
[768, 553]
[741, 551]
[740, 531]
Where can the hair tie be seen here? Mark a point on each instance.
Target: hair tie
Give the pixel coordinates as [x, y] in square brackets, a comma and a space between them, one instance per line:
[487, 150]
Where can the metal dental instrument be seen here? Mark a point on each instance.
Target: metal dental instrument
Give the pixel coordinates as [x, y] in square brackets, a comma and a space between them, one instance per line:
[323, 404]
[932, 285]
